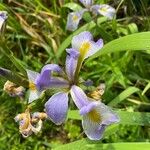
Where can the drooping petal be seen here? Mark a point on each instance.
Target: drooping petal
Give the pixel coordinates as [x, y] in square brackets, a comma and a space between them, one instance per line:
[74, 19]
[43, 79]
[84, 43]
[33, 95]
[79, 97]
[34, 92]
[93, 130]
[95, 46]
[87, 3]
[107, 114]
[96, 117]
[56, 107]
[3, 17]
[104, 10]
[80, 39]
[71, 62]
[32, 75]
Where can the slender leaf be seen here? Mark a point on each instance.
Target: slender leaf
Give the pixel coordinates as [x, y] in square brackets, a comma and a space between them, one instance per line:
[126, 93]
[73, 6]
[86, 145]
[133, 42]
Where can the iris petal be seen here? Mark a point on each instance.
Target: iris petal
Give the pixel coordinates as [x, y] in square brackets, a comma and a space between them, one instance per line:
[95, 46]
[71, 63]
[56, 107]
[78, 40]
[34, 93]
[43, 80]
[96, 117]
[78, 96]
[104, 10]
[87, 3]
[93, 130]
[84, 43]
[74, 19]
[3, 17]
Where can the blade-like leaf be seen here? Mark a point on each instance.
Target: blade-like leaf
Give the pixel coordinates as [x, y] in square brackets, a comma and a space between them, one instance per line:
[133, 42]
[86, 145]
[129, 91]
[73, 6]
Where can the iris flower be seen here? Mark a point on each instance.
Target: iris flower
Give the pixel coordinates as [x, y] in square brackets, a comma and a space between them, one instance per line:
[96, 116]
[38, 82]
[75, 17]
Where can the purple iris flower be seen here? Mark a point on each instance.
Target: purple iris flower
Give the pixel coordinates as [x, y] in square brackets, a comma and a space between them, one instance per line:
[75, 17]
[96, 116]
[38, 82]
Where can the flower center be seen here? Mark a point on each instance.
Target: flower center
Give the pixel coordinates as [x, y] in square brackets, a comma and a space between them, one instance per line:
[84, 48]
[94, 116]
[104, 9]
[75, 18]
[32, 86]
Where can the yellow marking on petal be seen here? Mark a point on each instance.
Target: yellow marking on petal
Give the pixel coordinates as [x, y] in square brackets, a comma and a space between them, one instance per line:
[32, 86]
[75, 18]
[94, 116]
[85, 47]
[104, 9]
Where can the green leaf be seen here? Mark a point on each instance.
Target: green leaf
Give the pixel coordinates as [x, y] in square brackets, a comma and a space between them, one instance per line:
[73, 6]
[87, 145]
[133, 42]
[122, 96]
[146, 88]
[126, 118]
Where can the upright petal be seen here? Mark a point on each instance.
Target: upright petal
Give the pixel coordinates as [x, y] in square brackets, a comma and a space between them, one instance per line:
[32, 75]
[74, 19]
[43, 80]
[33, 95]
[71, 62]
[56, 107]
[87, 3]
[79, 97]
[104, 10]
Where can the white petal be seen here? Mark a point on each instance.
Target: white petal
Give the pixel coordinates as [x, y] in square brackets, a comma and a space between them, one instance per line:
[33, 95]
[32, 75]
[78, 40]
[93, 130]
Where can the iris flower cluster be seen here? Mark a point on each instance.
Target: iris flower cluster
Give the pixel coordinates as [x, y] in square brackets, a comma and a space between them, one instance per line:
[96, 116]
[75, 17]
